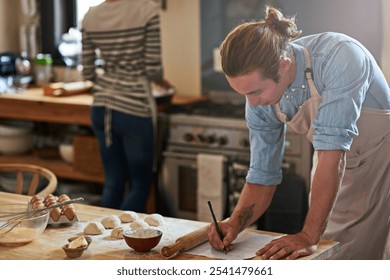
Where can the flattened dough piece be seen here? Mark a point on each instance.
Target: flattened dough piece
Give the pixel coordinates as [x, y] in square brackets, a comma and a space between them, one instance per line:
[117, 233]
[139, 224]
[128, 216]
[111, 221]
[94, 228]
[154, 220]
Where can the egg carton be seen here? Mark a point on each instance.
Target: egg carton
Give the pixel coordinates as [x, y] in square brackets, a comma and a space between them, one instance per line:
[63, 220]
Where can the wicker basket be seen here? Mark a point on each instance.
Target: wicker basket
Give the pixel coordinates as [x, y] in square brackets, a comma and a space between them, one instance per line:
[86, 155]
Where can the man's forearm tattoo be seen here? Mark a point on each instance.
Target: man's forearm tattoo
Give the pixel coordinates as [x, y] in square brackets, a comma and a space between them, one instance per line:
[245, 215]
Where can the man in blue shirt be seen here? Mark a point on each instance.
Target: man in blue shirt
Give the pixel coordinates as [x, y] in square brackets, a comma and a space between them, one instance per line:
[329, 87]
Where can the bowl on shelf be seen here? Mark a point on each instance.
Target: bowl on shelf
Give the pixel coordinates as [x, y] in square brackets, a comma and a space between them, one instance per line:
[16, 145]
[66, 152]
[16, 137]
[142, 239]
[29, 228]
[15, 128]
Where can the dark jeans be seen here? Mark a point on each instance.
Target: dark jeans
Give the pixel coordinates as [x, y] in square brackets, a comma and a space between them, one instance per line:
[128, 159]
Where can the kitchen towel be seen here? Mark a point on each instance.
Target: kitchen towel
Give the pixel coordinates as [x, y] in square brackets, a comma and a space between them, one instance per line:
[211, 186]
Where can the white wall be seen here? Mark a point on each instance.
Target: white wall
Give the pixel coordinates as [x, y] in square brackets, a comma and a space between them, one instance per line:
[9, 25]
[180, 28]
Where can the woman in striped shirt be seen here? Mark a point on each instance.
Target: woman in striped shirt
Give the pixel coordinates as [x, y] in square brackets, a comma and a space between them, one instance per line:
[125, 35]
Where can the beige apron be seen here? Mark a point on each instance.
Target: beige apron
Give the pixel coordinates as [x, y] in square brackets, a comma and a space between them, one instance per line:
[360, 219]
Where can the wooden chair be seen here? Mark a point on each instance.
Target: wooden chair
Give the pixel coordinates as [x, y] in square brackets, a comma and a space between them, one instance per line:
[37, 173]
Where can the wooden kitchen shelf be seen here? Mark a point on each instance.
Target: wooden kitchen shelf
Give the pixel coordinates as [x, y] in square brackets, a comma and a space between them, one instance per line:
[59, 167]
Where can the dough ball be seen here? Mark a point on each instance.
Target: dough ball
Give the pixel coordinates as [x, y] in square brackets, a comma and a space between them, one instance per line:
[154, 220]
[117, 233]
[94, 228]
[78, 242]
[111, 221]
[128, 216]
[139, 224]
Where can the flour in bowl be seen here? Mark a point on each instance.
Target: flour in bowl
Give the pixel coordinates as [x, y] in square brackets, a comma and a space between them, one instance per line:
[18, 236]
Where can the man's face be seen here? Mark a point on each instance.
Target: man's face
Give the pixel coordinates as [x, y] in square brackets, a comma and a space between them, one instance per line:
[257, 89]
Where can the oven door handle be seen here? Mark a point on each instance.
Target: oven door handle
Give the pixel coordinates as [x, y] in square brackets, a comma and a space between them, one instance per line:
[183, 155]
[179, 155]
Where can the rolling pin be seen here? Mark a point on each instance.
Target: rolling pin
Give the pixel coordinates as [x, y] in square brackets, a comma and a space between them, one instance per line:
[186, 242]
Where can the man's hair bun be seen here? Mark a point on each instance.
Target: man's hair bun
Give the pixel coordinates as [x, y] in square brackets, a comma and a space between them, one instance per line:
[275, 20]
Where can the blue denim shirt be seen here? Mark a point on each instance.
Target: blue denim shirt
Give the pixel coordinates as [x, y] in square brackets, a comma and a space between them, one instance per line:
[347, 77]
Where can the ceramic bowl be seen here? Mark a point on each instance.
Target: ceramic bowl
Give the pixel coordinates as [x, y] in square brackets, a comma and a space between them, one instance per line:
[15, 128]
[27, 230]
[66, 152]
[16, 145]
[142, 239]
[74, 253]
[16, 137]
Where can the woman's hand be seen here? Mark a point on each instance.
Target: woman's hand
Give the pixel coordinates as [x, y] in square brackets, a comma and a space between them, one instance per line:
[164, 84]
[288, 247]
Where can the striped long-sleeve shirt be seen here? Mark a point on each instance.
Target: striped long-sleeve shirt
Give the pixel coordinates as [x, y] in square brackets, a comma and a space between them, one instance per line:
[126, 33]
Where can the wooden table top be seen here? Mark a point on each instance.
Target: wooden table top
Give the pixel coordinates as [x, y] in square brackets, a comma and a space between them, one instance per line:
[33, 105]
[104, 247]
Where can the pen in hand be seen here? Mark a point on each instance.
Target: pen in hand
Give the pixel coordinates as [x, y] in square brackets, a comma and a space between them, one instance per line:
[220, 234]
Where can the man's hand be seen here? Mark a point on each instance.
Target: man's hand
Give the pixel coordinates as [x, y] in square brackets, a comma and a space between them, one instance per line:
[288, 247]
[229, 232]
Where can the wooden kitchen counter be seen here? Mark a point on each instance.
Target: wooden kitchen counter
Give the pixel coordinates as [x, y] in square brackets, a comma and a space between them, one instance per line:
[103, 247]
[33, 105]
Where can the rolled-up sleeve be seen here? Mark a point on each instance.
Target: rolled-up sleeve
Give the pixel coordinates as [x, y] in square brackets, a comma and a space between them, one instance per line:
[267, 142]
[346, 74]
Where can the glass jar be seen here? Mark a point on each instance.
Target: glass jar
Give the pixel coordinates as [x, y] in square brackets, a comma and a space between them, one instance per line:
[42, 69]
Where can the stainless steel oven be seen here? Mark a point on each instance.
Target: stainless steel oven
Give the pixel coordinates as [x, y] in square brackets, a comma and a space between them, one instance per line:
[189, 137]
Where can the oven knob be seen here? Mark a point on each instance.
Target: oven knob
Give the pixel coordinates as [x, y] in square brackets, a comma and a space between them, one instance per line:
[201, 138]
[244, 142]
[188, 137]
[211, 139]
[222, 140]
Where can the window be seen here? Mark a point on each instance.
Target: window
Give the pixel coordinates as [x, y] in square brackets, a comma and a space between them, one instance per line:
[82, 7]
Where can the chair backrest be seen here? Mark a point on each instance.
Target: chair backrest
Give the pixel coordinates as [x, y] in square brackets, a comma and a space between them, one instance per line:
[36, 173]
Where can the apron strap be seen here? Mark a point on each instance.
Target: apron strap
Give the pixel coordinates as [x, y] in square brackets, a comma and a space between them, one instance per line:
[108, 116]
[309, 78]
[309, 75]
